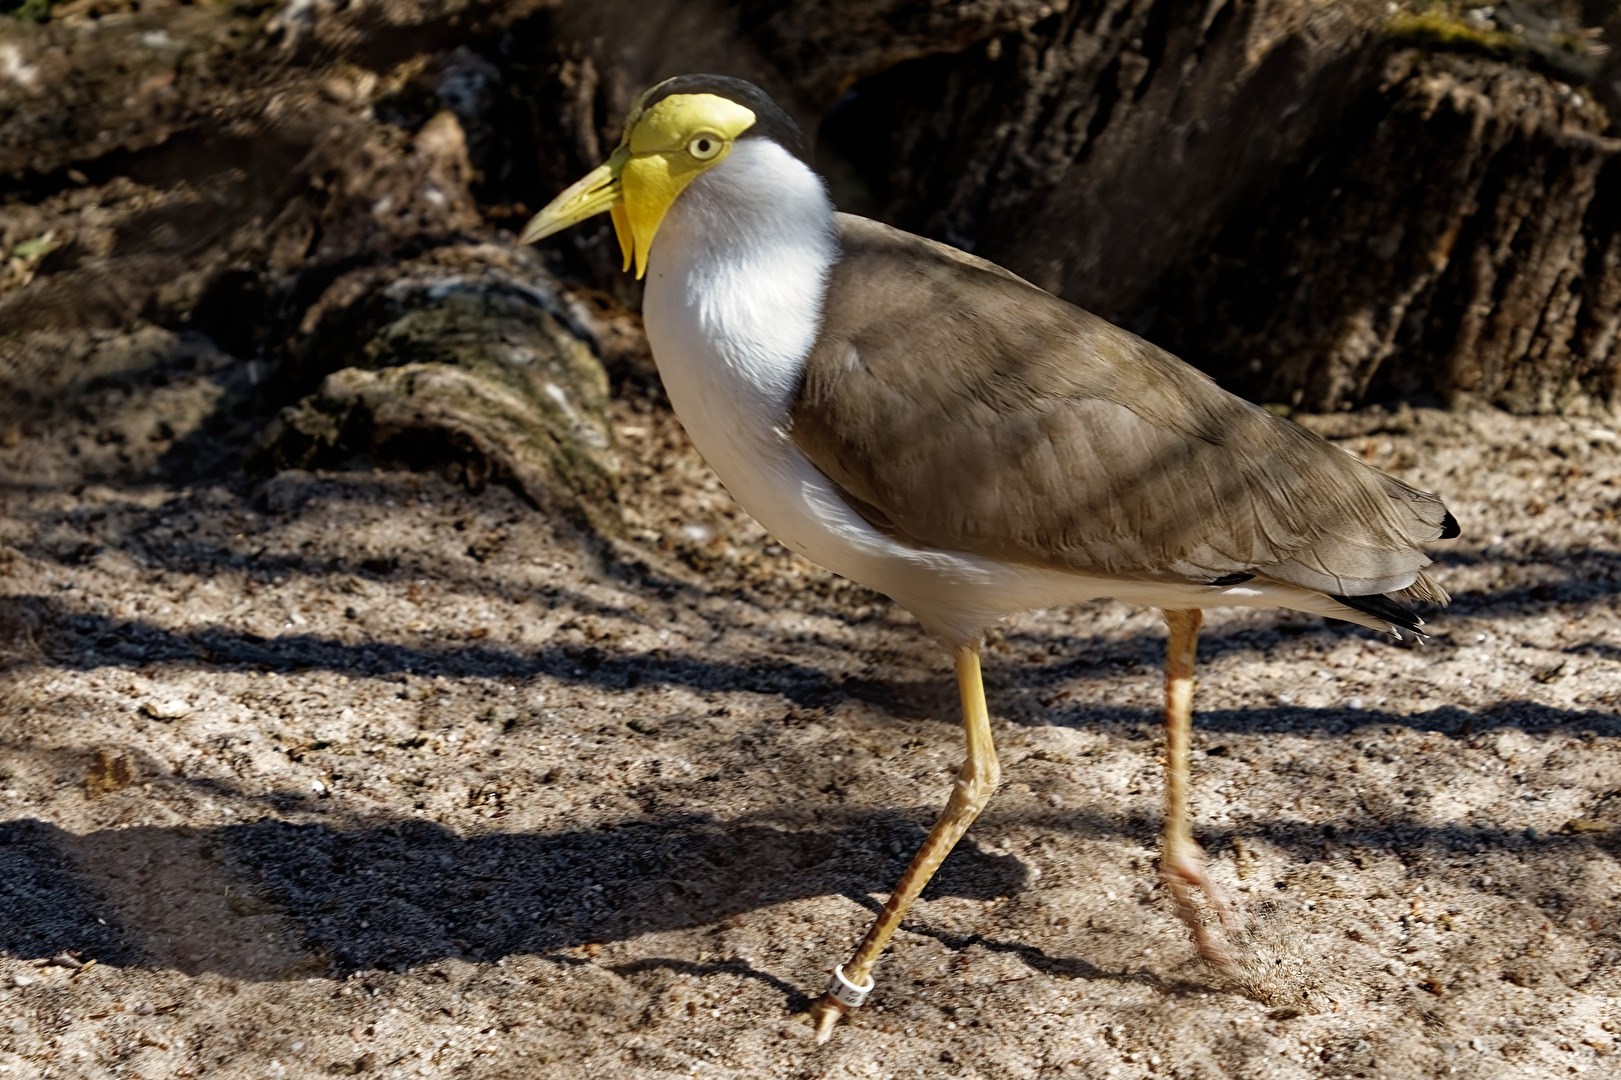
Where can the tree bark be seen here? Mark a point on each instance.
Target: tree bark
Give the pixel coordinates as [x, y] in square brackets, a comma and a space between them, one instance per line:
[1322, 205]
[1293, 198]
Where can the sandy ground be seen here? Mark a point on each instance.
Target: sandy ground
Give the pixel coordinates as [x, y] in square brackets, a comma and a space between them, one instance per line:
[364, 774]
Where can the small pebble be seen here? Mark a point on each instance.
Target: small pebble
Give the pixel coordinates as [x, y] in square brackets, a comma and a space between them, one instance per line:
[173, 709]
[21, 979]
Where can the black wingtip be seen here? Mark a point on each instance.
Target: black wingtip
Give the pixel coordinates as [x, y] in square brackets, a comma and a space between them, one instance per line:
[1401, 620]
[1449, 527]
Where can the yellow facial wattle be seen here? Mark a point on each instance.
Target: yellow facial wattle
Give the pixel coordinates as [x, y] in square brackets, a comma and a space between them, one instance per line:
[665, 147]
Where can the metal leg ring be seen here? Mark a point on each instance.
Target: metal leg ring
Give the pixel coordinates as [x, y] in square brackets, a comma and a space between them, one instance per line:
[846, 992]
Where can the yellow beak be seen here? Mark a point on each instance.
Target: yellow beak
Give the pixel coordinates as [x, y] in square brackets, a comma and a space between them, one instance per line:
[637, 189]
[599, 190]
[652, 166]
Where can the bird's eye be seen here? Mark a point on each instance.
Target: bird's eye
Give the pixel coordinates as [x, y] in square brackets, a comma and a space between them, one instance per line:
[704, 146]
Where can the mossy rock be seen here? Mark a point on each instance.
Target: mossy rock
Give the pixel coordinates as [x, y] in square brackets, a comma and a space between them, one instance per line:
[1533, 35]
[479, 371]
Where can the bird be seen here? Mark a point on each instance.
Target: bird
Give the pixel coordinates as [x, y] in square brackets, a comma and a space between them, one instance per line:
[930, 425]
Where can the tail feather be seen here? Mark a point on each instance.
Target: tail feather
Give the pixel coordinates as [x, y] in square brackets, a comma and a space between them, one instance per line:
[1403, 622]
[1423, 590]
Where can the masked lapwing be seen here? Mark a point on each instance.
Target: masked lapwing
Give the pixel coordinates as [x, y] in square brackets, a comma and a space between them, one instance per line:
[933, 426]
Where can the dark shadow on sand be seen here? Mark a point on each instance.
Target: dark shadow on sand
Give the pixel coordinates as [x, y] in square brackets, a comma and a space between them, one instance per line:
[340, 897]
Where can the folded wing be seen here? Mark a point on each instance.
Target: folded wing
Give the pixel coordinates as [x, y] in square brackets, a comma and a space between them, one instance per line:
[959, 407]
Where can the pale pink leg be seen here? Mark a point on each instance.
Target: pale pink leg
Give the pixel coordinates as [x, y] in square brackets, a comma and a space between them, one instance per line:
[1181, 864]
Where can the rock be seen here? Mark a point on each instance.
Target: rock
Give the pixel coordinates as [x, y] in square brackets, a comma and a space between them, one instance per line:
[471, 360]
[285, 492]
[173, 709]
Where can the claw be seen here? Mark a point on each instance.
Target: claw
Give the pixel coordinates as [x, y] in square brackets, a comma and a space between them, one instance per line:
[1182, 874]
[827, 1013]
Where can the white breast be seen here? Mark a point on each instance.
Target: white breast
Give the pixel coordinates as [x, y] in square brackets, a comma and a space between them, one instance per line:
[735, 283]
[734, 290]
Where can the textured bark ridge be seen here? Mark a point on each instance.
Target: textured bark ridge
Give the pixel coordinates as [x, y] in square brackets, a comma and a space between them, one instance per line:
[1458, 237]
[1094, 151]
[1320, 205]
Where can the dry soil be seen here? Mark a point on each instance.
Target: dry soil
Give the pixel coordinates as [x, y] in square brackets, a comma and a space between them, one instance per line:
[364, 773]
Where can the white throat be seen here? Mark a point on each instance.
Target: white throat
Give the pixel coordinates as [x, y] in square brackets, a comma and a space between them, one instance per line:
[735, 283]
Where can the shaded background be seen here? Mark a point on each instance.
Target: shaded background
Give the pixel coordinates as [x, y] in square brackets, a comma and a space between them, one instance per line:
[1324, 205]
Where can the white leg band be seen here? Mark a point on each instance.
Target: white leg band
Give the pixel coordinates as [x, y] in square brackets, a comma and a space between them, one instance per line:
[846, 992]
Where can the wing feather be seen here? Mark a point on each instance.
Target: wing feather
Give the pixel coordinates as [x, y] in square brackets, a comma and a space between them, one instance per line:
[960, 407]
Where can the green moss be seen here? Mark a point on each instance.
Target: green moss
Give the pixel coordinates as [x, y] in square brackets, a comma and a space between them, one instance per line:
[1557, 46]
[30, 11]
[1444, 28]
[28, 249]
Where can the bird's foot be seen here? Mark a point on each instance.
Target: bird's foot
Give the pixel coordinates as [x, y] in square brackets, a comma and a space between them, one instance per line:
[825, 1014]
[1183, 873]
[842, 996]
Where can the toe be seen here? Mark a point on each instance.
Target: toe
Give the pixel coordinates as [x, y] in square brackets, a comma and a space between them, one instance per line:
[826, 1013]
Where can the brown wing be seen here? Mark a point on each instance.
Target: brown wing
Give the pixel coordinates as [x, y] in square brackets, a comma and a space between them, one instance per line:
[960, 407]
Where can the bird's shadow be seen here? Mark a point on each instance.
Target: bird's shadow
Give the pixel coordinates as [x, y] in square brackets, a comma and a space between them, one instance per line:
[272, 899]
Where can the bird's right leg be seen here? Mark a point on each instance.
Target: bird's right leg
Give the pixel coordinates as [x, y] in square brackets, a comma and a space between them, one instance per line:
[976, 781]
[1181, 864]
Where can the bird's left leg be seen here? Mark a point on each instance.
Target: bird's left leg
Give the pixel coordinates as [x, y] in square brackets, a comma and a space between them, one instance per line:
[1181, 864]
[976, 781]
